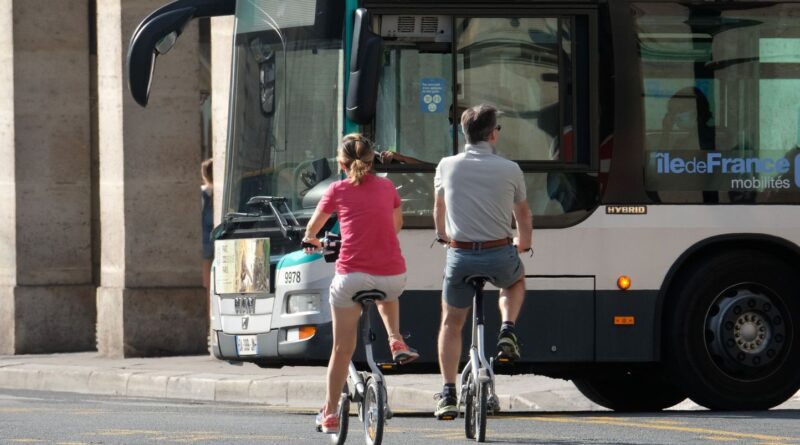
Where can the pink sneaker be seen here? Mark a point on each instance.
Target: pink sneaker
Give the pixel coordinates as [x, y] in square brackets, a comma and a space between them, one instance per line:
[402, 353]
[327, 423]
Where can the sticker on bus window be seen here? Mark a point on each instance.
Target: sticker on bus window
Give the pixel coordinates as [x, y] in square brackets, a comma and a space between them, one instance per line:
[241, 266]
[431, 94]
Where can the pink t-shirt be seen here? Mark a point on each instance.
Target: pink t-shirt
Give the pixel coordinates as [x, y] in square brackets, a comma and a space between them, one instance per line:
[366, 219]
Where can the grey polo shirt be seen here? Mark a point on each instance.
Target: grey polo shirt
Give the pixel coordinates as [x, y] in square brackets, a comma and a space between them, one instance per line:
[480, 189]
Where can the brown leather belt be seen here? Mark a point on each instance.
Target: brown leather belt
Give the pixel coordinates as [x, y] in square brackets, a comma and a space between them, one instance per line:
[480, 245]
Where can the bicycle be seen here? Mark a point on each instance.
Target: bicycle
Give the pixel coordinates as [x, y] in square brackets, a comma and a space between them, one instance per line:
[477, 377]
[368, 388]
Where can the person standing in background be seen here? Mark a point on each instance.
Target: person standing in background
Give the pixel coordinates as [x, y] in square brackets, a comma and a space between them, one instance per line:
[207, 218]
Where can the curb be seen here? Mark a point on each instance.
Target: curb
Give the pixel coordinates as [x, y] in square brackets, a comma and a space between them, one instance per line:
[294, 392]
[163, 385]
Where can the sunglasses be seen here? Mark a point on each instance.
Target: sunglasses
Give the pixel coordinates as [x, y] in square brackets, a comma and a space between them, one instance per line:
[498, 128]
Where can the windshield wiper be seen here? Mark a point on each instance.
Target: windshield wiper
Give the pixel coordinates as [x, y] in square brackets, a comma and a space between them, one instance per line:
[265, 207]
[290, 228]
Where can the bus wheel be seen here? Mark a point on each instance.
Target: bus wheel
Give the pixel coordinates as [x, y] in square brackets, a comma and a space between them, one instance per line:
[732, 332]
[630, 392]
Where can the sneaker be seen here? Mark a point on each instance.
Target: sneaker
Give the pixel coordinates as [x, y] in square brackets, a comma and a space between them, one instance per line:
[402, 353]
[327, 423]
[446, 409]
[507, 346]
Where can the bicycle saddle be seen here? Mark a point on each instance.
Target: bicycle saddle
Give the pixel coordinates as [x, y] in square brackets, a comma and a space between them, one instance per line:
[368, 296]
[471, 278]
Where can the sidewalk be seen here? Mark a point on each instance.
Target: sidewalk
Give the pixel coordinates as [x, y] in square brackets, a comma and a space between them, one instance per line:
[208, 379]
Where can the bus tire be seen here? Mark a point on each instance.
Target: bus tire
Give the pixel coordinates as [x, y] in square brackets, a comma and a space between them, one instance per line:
[732, 331]
[631, 392]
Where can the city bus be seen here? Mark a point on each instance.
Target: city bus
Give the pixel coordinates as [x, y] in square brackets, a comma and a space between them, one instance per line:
[659, 140]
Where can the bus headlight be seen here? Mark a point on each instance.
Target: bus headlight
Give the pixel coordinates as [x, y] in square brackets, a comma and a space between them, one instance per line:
[298, 303]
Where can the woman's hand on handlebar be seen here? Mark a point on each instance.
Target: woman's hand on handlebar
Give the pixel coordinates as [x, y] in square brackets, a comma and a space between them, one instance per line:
[311, 245]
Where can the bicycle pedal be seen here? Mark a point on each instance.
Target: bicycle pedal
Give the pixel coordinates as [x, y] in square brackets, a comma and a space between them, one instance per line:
[388, 366]
[493, 405]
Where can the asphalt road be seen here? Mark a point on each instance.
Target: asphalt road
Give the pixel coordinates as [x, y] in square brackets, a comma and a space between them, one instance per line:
[71, 419]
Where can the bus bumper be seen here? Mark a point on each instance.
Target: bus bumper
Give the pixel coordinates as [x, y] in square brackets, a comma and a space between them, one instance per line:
[274, 350]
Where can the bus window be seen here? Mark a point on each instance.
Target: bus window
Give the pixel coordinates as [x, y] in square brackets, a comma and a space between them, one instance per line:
[413, 100]
[525, 66]
[286, 108]
[414, 110]
[721, 89]
[513, 64]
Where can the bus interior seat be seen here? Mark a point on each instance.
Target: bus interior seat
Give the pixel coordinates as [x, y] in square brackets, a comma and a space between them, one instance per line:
[313, 195]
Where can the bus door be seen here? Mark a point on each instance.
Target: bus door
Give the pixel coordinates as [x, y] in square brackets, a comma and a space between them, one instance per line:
[536, 66]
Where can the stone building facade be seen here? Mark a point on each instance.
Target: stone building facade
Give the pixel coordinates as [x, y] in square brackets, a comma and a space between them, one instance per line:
[100, 198]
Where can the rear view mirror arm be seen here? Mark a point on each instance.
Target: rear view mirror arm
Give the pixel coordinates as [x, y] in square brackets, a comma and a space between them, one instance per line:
[365, 70]
[167, 22]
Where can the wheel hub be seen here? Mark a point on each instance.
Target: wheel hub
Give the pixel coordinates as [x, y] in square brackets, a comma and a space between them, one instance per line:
[745, 331]
[752, 332]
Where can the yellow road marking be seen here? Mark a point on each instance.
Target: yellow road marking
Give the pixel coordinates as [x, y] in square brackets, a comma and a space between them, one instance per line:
[665, 427]
[431, 433]
[16, 410]
[121, 432]
[668, 422]
[185, 436]
[423, 430]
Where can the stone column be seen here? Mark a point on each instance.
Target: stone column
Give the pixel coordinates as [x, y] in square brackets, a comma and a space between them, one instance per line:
[150, 300]
[46, 290]
[221, 53]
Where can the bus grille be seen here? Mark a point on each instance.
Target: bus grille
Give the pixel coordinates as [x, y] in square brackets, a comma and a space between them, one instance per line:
[430, 24]
[406, 23]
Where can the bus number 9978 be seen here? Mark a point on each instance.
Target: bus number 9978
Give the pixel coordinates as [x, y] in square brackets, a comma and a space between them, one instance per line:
[291, 277]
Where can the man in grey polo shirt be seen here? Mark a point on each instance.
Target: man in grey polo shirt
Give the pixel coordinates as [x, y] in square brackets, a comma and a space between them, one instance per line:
[476, 194]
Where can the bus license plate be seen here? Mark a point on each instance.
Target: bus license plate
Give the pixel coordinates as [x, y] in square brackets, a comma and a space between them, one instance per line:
[247, 344]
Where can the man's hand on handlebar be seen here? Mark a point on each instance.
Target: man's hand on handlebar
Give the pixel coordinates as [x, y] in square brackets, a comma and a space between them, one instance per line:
[521, 248]
[441, 239]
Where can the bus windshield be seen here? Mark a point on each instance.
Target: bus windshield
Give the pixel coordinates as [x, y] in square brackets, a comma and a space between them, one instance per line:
[286, 111]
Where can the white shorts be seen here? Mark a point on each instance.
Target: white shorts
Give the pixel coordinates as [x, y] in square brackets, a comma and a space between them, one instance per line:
[344, 287]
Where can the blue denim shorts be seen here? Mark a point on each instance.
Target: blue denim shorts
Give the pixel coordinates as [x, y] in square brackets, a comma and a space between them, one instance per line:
[501, 264]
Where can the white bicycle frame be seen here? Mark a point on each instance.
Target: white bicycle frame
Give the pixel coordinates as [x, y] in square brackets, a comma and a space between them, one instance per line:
[354, 376]
[477, 355]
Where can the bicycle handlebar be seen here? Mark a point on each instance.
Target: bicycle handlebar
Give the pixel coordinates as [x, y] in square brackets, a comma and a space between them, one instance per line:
[329, 244]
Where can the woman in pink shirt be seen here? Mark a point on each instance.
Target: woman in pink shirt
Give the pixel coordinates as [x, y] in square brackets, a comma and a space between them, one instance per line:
[368, 208]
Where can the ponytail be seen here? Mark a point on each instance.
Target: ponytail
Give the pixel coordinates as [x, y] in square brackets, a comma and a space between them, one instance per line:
[357, 155]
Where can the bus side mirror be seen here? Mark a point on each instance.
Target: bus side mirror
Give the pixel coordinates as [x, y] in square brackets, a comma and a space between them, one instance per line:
[152, 39]
[365, 66]
[157, 34]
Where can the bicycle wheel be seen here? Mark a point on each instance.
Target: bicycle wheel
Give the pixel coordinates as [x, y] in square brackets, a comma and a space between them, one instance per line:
[344, 418]
[469, 409]
[374, 412]
[480, 404]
